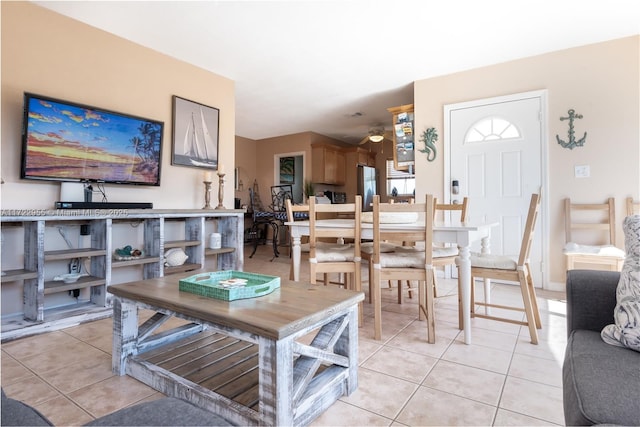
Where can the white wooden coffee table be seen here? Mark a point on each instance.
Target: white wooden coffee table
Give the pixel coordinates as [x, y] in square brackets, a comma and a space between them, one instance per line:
[243, 359]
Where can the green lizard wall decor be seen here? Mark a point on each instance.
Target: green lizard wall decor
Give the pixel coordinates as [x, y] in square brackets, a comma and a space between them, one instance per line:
[429, 137]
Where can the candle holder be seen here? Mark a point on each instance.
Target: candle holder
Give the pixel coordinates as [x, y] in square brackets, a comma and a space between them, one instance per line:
[220, 190]
[207, 195]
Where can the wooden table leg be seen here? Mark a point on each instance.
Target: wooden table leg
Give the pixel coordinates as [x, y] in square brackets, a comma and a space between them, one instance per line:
[464, 270]
[125, 334]
[276, 381]
[347, 345]
[296, 254]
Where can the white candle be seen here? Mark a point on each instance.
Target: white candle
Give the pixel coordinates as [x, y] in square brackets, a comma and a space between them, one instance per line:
[208, 176]
[220, 169]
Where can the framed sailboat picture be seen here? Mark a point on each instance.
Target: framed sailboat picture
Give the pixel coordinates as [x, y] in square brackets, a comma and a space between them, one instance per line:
[195, 134]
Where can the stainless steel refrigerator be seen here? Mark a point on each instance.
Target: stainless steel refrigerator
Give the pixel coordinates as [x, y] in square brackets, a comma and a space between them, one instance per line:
[367, 186]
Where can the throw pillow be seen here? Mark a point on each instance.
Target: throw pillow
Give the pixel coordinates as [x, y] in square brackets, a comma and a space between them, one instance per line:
[626, 331]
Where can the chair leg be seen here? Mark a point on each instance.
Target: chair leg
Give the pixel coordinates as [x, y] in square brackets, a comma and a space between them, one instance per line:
[426, 304]
[409, 287]
[377, 305]
[534, 298]
[422, 309]
[370, 267]
[431, 320]
[487, 295]
[274, 227]
[473, 296]
[528, 308]
[357, 285]
[254, 233]
[435, 284]
[312, 274]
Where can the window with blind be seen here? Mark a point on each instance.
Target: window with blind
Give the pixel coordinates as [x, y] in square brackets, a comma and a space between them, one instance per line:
[400, 183]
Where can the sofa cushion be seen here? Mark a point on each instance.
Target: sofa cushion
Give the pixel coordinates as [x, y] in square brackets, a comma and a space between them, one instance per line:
[601, 383]
[626, 330]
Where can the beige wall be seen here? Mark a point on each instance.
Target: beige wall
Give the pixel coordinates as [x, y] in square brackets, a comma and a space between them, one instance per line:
[49, 54]
[600, 81]
[267, 149]
[246, 164]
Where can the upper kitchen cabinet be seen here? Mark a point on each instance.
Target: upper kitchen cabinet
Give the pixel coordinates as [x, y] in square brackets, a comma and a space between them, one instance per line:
[328, 164]
[365, 157]
[403, 136]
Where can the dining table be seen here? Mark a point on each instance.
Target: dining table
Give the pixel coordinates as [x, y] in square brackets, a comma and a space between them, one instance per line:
[462, 234]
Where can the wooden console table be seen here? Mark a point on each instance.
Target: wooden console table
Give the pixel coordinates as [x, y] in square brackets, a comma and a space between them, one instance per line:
[247, 360]
[29, 282]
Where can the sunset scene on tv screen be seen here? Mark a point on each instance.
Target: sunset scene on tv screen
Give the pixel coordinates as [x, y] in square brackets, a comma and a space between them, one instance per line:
[69, 142]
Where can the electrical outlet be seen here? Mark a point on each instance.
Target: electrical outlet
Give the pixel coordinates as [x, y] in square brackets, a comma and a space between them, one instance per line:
[75, 266]
[85, 230]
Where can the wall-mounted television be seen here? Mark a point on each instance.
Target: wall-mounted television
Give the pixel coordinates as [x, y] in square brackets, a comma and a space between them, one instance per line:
[66, 141]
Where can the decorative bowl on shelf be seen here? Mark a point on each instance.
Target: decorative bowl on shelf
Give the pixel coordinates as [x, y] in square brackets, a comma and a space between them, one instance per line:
[175, 257]
[127, 253]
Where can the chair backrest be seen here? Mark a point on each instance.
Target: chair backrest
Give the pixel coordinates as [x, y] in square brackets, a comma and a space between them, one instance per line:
[381, 234]
[446, 207]
[529, 228]
[254, 198]
[292, 209]
[598, 218]
[279, 194]
[316, 233]
[633, 208]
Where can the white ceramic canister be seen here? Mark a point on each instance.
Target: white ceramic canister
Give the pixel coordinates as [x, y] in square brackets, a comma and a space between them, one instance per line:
[215, 240]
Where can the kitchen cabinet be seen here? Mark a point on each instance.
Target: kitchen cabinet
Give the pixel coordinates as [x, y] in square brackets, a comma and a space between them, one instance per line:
[155, 232]
[365, 157]
[328, 164]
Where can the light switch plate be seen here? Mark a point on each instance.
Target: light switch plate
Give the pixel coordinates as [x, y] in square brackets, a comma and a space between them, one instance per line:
[582, 171]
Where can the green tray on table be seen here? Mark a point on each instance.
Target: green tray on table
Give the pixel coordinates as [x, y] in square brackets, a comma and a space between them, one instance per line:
[208, 285]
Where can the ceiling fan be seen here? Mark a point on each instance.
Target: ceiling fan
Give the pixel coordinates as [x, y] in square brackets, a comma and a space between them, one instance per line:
[377, 135]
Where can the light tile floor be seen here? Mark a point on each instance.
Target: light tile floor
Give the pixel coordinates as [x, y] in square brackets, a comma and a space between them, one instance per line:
[500, 379]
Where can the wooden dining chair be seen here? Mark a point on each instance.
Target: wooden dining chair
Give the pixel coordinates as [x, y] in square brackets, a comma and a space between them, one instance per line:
[366, 250]
[590, 231]
[633, 208]
[442, 255]
[411, 265]
[335, 258]
[446, 255]
[501, 267]
[296, 213]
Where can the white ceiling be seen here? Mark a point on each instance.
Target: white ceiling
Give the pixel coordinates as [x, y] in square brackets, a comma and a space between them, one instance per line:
[317, 65]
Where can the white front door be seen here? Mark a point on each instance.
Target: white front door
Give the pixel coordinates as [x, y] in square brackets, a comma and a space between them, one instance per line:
[496, 157]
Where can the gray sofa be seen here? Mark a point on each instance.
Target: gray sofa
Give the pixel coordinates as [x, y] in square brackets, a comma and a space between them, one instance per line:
[167, 411]
[601, 382]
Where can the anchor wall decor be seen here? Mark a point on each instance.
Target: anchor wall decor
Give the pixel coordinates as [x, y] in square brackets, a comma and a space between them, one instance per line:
[429, 137]
[572, 139]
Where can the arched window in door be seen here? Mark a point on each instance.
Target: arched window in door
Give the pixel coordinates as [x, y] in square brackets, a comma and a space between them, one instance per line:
[491, 129]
